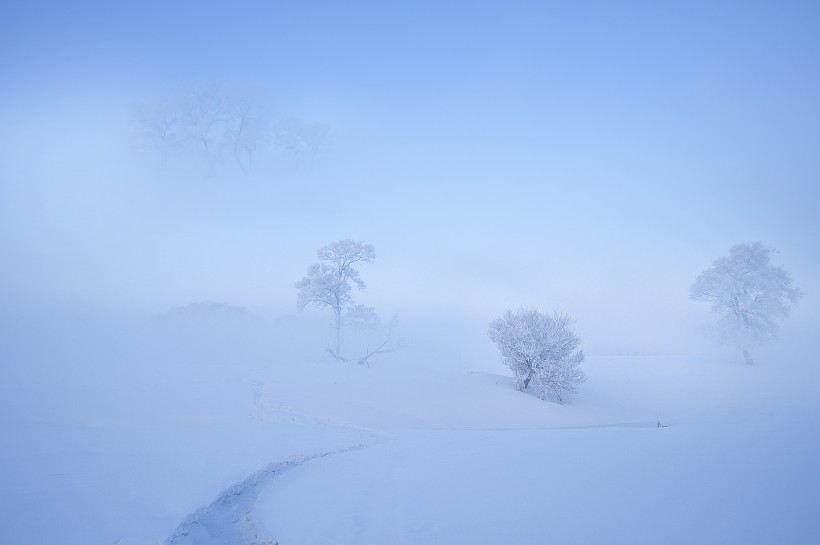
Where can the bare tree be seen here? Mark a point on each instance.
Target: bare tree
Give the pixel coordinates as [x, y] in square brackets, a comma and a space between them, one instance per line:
[328, 284]
[249, 130]
[748, 295]
[206, 121]
[157, 127]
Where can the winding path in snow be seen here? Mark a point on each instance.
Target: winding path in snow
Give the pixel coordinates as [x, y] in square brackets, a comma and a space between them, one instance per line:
[230, 518]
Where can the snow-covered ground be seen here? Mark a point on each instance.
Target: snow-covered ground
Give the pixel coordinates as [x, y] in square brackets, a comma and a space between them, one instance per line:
[728, 481]
[470, 460]
[115, 431]
[132, 433]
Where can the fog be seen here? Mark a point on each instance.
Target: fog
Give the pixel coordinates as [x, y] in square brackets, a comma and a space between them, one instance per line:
[591, 160]
[558, 164]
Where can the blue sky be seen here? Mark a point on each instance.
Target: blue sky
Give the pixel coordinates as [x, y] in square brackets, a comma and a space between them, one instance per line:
[582, 155]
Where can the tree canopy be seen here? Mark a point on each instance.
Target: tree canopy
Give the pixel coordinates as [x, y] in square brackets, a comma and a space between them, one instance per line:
[748, 295]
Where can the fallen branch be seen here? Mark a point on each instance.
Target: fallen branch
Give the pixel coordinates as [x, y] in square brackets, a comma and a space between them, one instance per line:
[382, 349]
[337, 356]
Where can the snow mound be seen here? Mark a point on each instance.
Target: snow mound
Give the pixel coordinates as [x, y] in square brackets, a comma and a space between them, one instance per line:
[208, 312]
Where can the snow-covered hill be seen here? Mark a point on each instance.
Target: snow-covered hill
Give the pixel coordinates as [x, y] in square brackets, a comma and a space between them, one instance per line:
[119, 431]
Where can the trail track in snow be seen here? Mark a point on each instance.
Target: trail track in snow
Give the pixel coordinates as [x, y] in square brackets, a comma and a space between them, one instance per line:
[230, 520]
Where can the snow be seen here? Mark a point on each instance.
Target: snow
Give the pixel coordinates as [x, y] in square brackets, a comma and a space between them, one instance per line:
[130, 483]
[125, 431]
[719, 483]
[115, 430]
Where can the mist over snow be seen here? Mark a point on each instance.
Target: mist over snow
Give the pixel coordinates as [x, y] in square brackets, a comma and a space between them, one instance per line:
[182, 188]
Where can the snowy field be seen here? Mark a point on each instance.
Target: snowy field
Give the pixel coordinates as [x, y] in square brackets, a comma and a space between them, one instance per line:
[150, 424]
[727, 481]
[271, 272]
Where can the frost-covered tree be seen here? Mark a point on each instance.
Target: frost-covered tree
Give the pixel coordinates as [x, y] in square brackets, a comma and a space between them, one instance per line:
[329, 283]
[748, 295]
[541, 350]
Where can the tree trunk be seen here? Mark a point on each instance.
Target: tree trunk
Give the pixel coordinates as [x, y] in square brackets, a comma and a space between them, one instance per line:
[747, 357]
[338, 326]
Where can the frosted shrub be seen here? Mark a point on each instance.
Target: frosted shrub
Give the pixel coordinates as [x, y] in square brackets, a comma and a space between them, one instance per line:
[541, 350]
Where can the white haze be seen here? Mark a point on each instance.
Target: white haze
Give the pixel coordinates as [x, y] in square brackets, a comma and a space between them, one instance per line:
[487, 179]
[90, 221]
